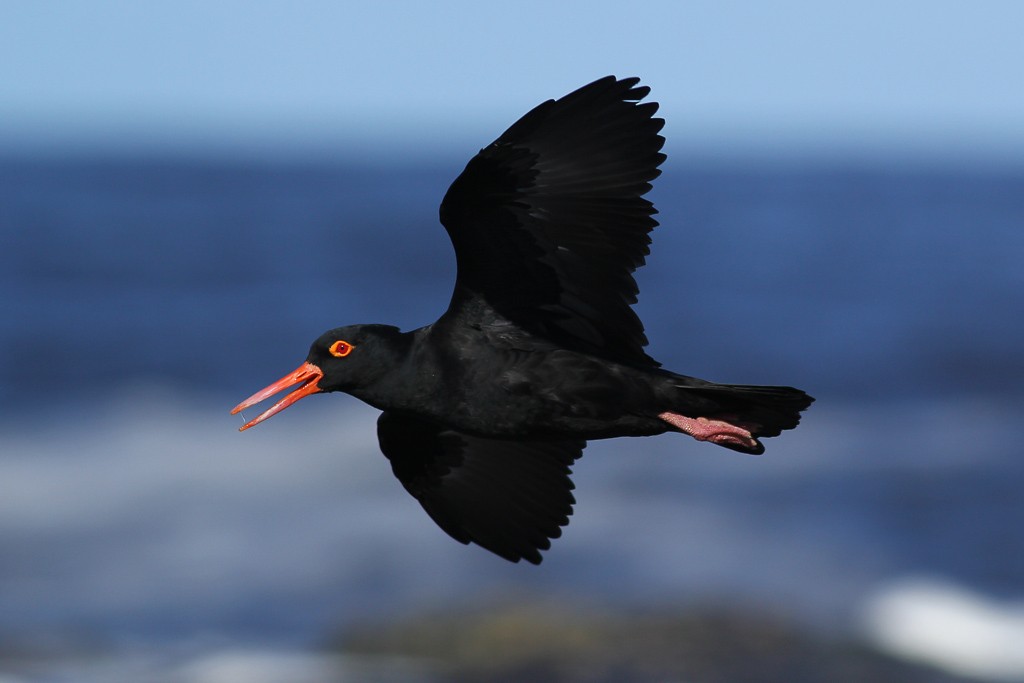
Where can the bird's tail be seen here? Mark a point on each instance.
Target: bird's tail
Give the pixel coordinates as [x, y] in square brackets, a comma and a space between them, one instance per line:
[736, 415]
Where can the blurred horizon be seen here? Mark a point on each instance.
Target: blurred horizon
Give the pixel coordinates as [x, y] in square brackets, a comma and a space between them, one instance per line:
[409, 81]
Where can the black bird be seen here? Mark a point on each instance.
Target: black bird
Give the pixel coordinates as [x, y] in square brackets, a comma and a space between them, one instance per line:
[485, 410]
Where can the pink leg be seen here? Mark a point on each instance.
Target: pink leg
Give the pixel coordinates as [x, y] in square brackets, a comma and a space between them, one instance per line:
[716, 431]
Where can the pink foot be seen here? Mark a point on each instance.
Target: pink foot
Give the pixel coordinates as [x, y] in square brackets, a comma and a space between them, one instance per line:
[735, 436]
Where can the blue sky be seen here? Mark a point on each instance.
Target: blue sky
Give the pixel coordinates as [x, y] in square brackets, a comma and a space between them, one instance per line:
[917, 76]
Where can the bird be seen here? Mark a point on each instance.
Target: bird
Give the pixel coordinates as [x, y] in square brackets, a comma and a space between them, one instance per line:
[485, 411]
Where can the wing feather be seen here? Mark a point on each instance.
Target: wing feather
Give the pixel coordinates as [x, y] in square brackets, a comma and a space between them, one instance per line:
[549, 222]
[510, 497]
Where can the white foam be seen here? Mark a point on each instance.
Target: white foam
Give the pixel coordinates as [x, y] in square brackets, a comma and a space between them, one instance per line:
[948, 626]
[154, 515]
[260, 666]
[234, 664]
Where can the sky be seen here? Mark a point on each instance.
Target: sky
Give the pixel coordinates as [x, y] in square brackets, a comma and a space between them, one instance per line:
[408, 78]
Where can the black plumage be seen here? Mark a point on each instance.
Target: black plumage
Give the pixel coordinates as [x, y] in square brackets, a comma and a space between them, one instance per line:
[485, 410]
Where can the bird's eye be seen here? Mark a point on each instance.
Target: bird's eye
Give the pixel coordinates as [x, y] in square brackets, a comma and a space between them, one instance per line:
[340, 349]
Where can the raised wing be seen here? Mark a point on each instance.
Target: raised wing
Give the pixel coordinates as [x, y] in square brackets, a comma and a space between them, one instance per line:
[549, 221]
[509, 497]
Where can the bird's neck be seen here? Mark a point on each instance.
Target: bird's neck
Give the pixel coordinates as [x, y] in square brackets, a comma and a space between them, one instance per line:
[402, 374]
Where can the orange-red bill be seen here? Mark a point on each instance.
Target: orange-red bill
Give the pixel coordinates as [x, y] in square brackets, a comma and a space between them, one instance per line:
[307, 374]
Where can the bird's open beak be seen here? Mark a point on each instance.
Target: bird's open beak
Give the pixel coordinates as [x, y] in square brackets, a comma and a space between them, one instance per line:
[307, 373]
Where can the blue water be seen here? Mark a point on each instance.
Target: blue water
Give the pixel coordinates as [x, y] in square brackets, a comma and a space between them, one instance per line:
[142, 299]
[880, 282]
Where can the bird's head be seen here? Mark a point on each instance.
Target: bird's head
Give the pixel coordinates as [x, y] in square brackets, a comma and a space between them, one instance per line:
[343, 359]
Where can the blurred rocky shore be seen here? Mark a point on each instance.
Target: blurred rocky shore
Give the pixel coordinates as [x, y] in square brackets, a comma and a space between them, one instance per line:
[540, 643]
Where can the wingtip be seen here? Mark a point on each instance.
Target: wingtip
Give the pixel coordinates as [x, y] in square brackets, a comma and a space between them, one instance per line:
[627, 88]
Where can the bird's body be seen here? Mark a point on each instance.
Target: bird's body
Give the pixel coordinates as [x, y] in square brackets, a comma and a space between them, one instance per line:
[483, 383]
[539, 351]
[501, 383]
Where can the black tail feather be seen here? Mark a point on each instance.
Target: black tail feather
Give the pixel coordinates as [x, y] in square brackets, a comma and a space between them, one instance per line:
[769, 410]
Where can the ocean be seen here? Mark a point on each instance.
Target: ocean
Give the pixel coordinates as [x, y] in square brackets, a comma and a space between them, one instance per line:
[143, 298]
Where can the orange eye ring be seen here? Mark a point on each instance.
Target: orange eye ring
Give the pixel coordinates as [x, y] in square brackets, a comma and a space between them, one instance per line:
[340, 349]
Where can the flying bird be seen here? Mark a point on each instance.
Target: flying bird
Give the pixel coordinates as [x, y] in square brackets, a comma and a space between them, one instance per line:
[486, 409]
